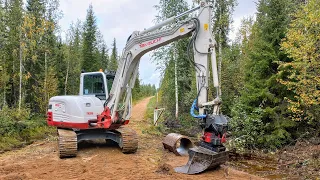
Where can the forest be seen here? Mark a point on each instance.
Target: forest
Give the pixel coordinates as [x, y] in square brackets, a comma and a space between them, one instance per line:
[269, 75]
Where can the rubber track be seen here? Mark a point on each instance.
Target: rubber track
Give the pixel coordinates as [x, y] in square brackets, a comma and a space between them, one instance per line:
[129, 140]
[67, 143]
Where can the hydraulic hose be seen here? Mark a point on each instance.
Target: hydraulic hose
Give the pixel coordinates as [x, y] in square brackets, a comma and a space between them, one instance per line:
[194, 107]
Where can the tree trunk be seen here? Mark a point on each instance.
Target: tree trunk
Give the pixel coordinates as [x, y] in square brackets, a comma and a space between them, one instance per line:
[66, 81]
[45, 76]
[4, 95]
[176, 80]
[220, 62]
[20, 78]
[220, 52]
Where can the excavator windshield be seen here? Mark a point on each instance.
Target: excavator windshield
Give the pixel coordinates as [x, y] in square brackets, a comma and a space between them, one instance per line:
[93, 84]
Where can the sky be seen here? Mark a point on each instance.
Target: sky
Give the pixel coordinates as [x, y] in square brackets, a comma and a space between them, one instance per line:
[119, 18]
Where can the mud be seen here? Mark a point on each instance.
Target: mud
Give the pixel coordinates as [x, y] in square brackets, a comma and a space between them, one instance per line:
[101, 160]
[299, 161]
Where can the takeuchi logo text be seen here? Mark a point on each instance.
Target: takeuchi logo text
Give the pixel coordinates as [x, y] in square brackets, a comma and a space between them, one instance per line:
[142, 45]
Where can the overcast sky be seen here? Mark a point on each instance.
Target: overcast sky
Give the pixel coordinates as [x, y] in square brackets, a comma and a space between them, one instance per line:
[119, 18]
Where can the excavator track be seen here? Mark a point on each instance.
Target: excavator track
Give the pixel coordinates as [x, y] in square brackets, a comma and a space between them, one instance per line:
[129, 140]
[67, 143]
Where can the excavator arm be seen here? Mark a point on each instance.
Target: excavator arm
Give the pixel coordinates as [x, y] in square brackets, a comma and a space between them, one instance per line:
[139, 43]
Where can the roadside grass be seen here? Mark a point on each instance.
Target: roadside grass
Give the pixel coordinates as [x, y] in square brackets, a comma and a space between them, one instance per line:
[166, 124]
[151, 129]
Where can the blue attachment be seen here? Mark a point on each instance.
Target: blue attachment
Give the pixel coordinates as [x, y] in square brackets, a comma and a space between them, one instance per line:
[194, 107]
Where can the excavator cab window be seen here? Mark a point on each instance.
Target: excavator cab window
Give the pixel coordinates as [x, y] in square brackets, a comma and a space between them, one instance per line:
[93, 84]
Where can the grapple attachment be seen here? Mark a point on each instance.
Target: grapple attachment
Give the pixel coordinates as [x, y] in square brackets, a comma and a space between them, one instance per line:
[201, 159]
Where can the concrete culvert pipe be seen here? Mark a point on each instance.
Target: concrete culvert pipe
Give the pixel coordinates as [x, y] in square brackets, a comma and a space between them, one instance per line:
[177, 143]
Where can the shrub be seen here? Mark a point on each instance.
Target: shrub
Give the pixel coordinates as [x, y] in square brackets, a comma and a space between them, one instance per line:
[19, 127]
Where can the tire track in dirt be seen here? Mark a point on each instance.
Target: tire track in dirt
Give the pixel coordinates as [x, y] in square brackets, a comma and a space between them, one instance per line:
[100, 160]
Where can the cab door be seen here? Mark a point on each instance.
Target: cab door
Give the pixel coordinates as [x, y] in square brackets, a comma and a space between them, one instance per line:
[94, 83]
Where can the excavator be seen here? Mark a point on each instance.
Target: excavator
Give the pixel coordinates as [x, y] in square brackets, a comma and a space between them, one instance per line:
[102, 112]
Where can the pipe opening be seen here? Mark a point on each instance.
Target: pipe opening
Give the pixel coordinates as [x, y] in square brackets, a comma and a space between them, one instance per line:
[183, 146]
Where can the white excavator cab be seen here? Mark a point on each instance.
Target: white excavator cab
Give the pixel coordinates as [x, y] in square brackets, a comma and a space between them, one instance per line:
[97, 84]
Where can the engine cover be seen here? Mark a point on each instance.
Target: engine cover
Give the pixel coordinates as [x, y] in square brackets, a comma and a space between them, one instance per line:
[73, 111]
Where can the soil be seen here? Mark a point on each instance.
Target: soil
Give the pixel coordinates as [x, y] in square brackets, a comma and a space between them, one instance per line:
[101, 160]
[298, 161]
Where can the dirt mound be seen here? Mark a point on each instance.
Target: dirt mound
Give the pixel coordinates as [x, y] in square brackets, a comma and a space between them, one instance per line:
[165, 169]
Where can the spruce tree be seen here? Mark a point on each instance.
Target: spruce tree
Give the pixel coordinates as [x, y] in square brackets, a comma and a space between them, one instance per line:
[101, 51]
[262, 99]
[73, 55]
[104, 58]
[90, 62]
[12, 22]
[4, 77]
[113, 64]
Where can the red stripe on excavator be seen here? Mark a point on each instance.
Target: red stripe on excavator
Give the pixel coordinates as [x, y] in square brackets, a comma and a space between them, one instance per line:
[81, 125]
[68, 125]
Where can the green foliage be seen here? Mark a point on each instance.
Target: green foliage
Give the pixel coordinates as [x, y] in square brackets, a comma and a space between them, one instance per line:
[301, 75]
[12, 19]
[260, 116]
[90, 62]
[113, 65]
[142, 90]
[73, 55]
[50, 65]
[166, 58]
[18, 128]
[269, 75]
[231, 75]
[247, 129]
[222, 19]
[158, 130]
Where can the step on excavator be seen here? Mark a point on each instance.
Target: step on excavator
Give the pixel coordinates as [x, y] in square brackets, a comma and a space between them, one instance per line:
[101, 111]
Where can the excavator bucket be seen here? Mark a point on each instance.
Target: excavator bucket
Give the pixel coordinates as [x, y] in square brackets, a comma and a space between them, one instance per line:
[201, 159]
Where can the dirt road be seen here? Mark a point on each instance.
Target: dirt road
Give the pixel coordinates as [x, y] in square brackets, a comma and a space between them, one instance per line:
[98, 160]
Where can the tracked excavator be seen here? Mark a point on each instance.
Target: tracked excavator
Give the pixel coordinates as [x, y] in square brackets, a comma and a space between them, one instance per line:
[101, 112]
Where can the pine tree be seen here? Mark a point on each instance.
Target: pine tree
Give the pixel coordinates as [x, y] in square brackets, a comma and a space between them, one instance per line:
[113, 64]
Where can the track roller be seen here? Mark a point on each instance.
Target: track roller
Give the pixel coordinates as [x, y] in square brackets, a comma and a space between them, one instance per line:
[67, 143]
[129, 140]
